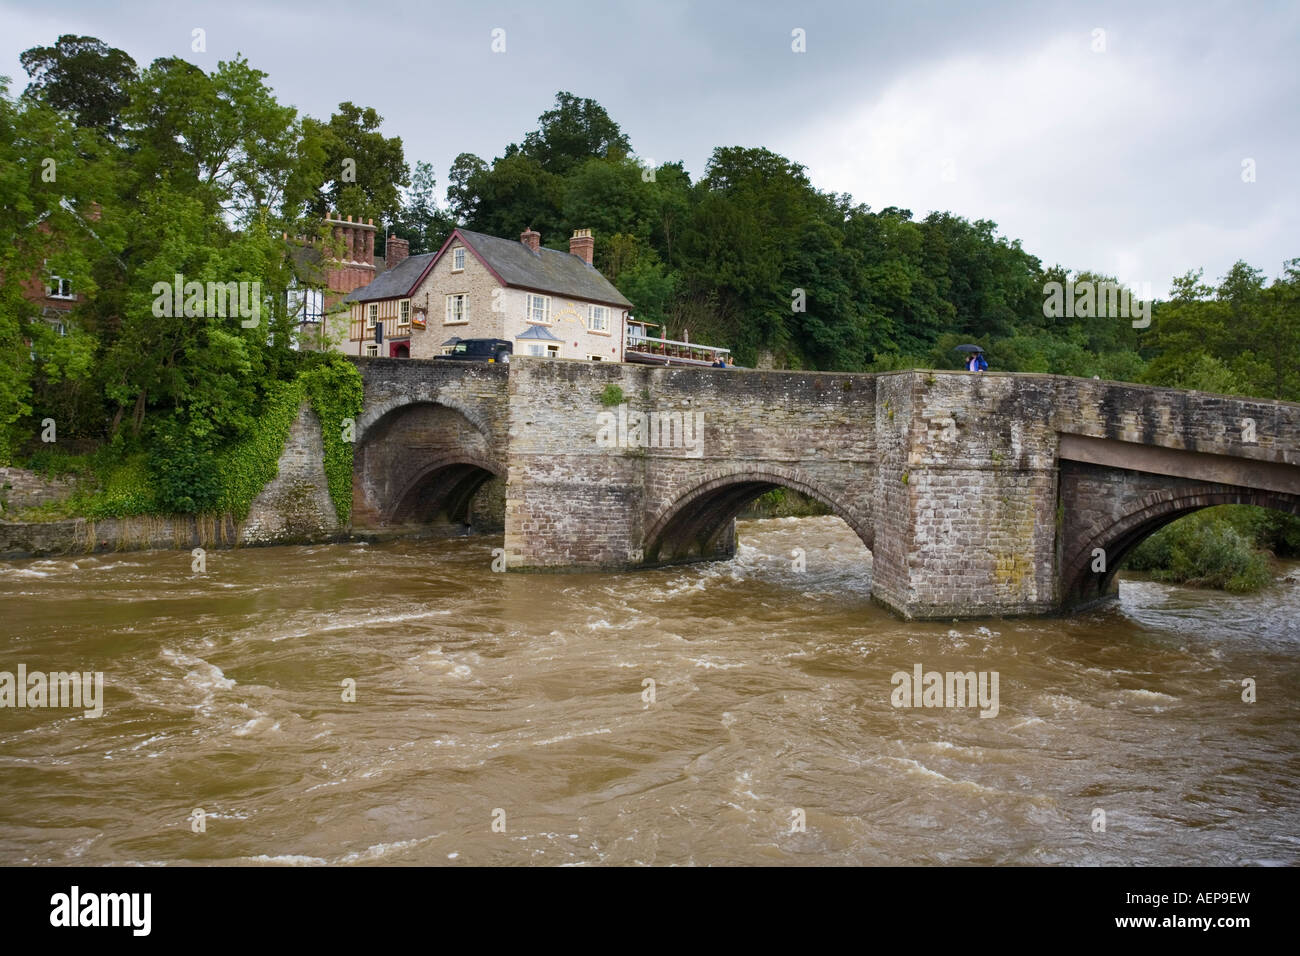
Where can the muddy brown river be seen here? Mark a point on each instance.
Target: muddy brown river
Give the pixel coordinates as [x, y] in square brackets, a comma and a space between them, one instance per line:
[511, 718]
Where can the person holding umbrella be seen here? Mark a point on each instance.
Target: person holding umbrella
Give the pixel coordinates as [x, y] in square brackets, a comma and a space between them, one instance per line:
[975, 363]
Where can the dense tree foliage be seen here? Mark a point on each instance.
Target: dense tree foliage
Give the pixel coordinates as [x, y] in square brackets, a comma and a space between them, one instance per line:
[82, 76]
[354, 169]
[194, 175]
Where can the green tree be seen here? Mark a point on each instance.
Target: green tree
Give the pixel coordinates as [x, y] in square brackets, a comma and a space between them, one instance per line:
[465, 187]
[609, 197]
[50, 173]
[421, 220]
[572, 132]
[223, 135]
[362, 171]
[515, 193]
[83, 76]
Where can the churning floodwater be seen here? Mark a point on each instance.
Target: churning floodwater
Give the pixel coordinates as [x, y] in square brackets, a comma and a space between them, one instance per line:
[522, 699]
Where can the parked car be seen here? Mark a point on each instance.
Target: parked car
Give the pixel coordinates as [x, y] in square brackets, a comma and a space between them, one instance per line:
[481, 350]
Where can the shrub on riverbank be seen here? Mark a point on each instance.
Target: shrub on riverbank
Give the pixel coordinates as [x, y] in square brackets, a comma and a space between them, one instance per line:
[1208, 549]
[783, 503]
[176, 472]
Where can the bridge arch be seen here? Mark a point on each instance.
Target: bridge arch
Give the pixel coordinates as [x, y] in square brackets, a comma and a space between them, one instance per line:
[1143, 518]
[693, 524]
[443, 486]
[379, 410]
[419, 460]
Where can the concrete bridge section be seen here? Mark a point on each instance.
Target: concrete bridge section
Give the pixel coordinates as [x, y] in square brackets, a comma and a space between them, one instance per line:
[978, 495]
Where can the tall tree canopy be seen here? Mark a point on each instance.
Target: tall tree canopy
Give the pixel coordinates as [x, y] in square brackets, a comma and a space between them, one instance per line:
[574, 130]
[81, 75]
[360, 171]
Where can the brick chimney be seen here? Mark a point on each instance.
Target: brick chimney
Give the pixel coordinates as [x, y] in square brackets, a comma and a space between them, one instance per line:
[582, 245]
[533, 240]
[354, 246]
[395, 251]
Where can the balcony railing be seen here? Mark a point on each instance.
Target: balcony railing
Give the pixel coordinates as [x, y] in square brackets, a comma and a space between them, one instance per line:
[646, 348]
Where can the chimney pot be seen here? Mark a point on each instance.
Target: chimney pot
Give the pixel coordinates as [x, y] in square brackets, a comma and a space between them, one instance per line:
[533, 240]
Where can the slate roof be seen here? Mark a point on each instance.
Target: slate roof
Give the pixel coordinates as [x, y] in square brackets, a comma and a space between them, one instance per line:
[547, 270]
[307, 264]
[537, 332]
[396, 283]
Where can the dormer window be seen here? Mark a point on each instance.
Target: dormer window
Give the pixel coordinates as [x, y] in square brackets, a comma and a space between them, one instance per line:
[458, 259]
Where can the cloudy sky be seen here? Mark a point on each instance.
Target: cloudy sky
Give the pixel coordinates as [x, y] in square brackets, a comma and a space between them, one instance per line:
[1106, 136]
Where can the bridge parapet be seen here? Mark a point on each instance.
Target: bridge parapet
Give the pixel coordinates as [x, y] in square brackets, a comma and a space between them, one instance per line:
[1173, 418]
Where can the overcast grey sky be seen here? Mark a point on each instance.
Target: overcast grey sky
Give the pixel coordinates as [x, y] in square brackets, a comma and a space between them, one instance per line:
[1126, 160]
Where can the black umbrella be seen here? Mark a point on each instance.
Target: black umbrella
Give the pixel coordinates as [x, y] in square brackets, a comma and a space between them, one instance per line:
[968, 348]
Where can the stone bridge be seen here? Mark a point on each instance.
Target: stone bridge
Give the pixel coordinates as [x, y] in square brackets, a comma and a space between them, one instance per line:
[978, 495]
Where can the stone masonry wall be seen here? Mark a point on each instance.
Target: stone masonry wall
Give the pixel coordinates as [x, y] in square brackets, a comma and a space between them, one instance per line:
[891, 583]
[419, 416]
[136, 533]
[950, 478]
[572, 503]
[20, 488]
[979, 522]
[1113, 509]
[295, 506]
[1172, 418]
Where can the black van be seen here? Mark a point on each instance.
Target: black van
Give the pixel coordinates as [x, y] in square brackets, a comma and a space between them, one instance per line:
[481, 350]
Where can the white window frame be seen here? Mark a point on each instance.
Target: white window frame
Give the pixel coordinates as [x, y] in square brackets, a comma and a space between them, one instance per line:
[458, 259]
[595, 358]
[452, 297]
[403, 313]
[372, 350]
[545, 301]
[591, 319]
[56, 285]
[536, 348]
[372, 315]
[306, 304]
[552, 351]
